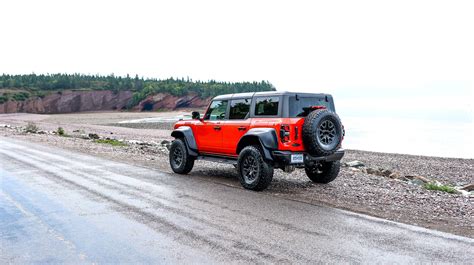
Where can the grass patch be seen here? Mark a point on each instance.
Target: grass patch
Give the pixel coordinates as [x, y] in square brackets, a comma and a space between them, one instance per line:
[112, 142]
[3, 98]
[31, 128]
[21, 96]
[444, 188]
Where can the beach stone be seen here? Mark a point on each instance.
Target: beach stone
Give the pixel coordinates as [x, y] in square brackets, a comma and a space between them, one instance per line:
[371, 171]
[354, 163]
[468, 187]
[386, 172]
[84, 136]
[94, 136]
[165, 142]
[420, 178]
[416, 182]
[377, 172]
[394, 175]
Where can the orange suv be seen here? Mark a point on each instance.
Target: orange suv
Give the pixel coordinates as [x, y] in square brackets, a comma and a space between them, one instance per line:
[261, 131]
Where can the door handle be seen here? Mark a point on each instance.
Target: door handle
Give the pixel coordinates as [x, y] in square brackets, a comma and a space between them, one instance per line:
[242, 128]
[217, 128]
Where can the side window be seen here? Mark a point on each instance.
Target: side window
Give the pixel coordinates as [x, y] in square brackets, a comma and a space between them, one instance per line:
[239, 109]
[217, 110]
[266, 106]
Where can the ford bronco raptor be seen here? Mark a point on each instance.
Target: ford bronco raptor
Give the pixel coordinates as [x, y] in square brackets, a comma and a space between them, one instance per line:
[260, 131]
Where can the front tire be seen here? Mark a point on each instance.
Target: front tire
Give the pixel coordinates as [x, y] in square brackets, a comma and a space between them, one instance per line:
[180, 160]
[324, 172]
[254, 172]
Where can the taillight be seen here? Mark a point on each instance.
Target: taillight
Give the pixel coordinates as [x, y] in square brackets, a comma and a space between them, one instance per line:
[285, 133]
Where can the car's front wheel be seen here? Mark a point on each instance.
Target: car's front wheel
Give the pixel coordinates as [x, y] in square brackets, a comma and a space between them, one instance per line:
[254, 172]
[324, 172]
[180, 161]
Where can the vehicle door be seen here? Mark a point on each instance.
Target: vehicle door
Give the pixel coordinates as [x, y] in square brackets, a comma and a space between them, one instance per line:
[236, 125]
[209, 131]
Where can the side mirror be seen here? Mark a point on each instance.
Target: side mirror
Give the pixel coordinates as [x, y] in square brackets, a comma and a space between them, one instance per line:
[195, 115]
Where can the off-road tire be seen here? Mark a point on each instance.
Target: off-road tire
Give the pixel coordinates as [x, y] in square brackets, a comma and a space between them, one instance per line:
[314, 133]
[263, 171]
[323, 173]
[185, 165]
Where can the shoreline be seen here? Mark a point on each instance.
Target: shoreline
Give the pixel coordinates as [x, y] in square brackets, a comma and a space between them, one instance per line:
[354, 190]
[126, 119]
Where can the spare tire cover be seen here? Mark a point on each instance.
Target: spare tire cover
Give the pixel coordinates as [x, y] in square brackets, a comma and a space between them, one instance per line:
[322, 132]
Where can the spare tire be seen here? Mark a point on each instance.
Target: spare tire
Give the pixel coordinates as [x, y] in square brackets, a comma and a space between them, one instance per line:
[322, 132]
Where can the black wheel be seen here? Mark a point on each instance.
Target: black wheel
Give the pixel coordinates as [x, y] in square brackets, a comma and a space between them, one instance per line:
[180, 161]
[322, 132]
[324, 172]
[254, 172]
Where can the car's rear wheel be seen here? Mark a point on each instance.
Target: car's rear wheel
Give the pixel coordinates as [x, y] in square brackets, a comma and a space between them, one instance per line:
[324, 172]
[254, 172]
[180, 161]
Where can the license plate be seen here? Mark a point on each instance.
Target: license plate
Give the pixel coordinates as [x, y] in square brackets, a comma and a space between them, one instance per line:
[297, 158]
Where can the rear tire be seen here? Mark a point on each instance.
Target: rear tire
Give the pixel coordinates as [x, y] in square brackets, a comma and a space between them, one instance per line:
[323, 173]
[254, 172]
[180, 160]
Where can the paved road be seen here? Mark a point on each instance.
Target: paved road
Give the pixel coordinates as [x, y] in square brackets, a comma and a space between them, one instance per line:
[58, 206]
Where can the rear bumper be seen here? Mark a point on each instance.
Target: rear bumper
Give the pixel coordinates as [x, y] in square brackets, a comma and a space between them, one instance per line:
[284, 157]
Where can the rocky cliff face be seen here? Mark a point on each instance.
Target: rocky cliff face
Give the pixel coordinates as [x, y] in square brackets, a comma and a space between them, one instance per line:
[70, 101]
[167, 101]
[99, 100]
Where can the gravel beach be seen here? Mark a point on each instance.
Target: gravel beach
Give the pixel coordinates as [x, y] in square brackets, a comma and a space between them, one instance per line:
[356, 190]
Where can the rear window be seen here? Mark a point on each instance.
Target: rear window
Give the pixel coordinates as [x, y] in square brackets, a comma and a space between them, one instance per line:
[297, 106]
[266, 106]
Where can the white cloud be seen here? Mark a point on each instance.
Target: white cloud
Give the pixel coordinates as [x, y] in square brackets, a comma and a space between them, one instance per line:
[418, 53]
[297, 45]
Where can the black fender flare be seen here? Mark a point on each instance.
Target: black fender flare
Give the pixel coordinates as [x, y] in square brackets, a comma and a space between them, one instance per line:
[267, 138]
[186, 133]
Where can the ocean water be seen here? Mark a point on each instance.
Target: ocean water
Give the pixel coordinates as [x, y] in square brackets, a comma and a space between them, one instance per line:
[442, 138]
[430, 122]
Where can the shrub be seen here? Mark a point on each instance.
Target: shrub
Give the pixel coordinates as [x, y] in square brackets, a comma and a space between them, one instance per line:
[112, 142]
[21, 96]
[31, 128]
[41, 94]
[61, 131]
[444, 188]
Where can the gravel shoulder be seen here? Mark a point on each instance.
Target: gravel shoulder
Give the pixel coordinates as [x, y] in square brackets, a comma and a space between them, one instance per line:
[353, 190]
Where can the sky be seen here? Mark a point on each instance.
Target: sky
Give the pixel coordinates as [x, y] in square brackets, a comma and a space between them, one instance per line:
[403, 58]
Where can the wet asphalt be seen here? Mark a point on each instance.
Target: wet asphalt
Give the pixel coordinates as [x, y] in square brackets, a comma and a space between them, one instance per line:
[58, 206]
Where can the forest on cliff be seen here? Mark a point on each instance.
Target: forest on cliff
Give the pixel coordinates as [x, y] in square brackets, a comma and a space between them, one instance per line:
[22, 87]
